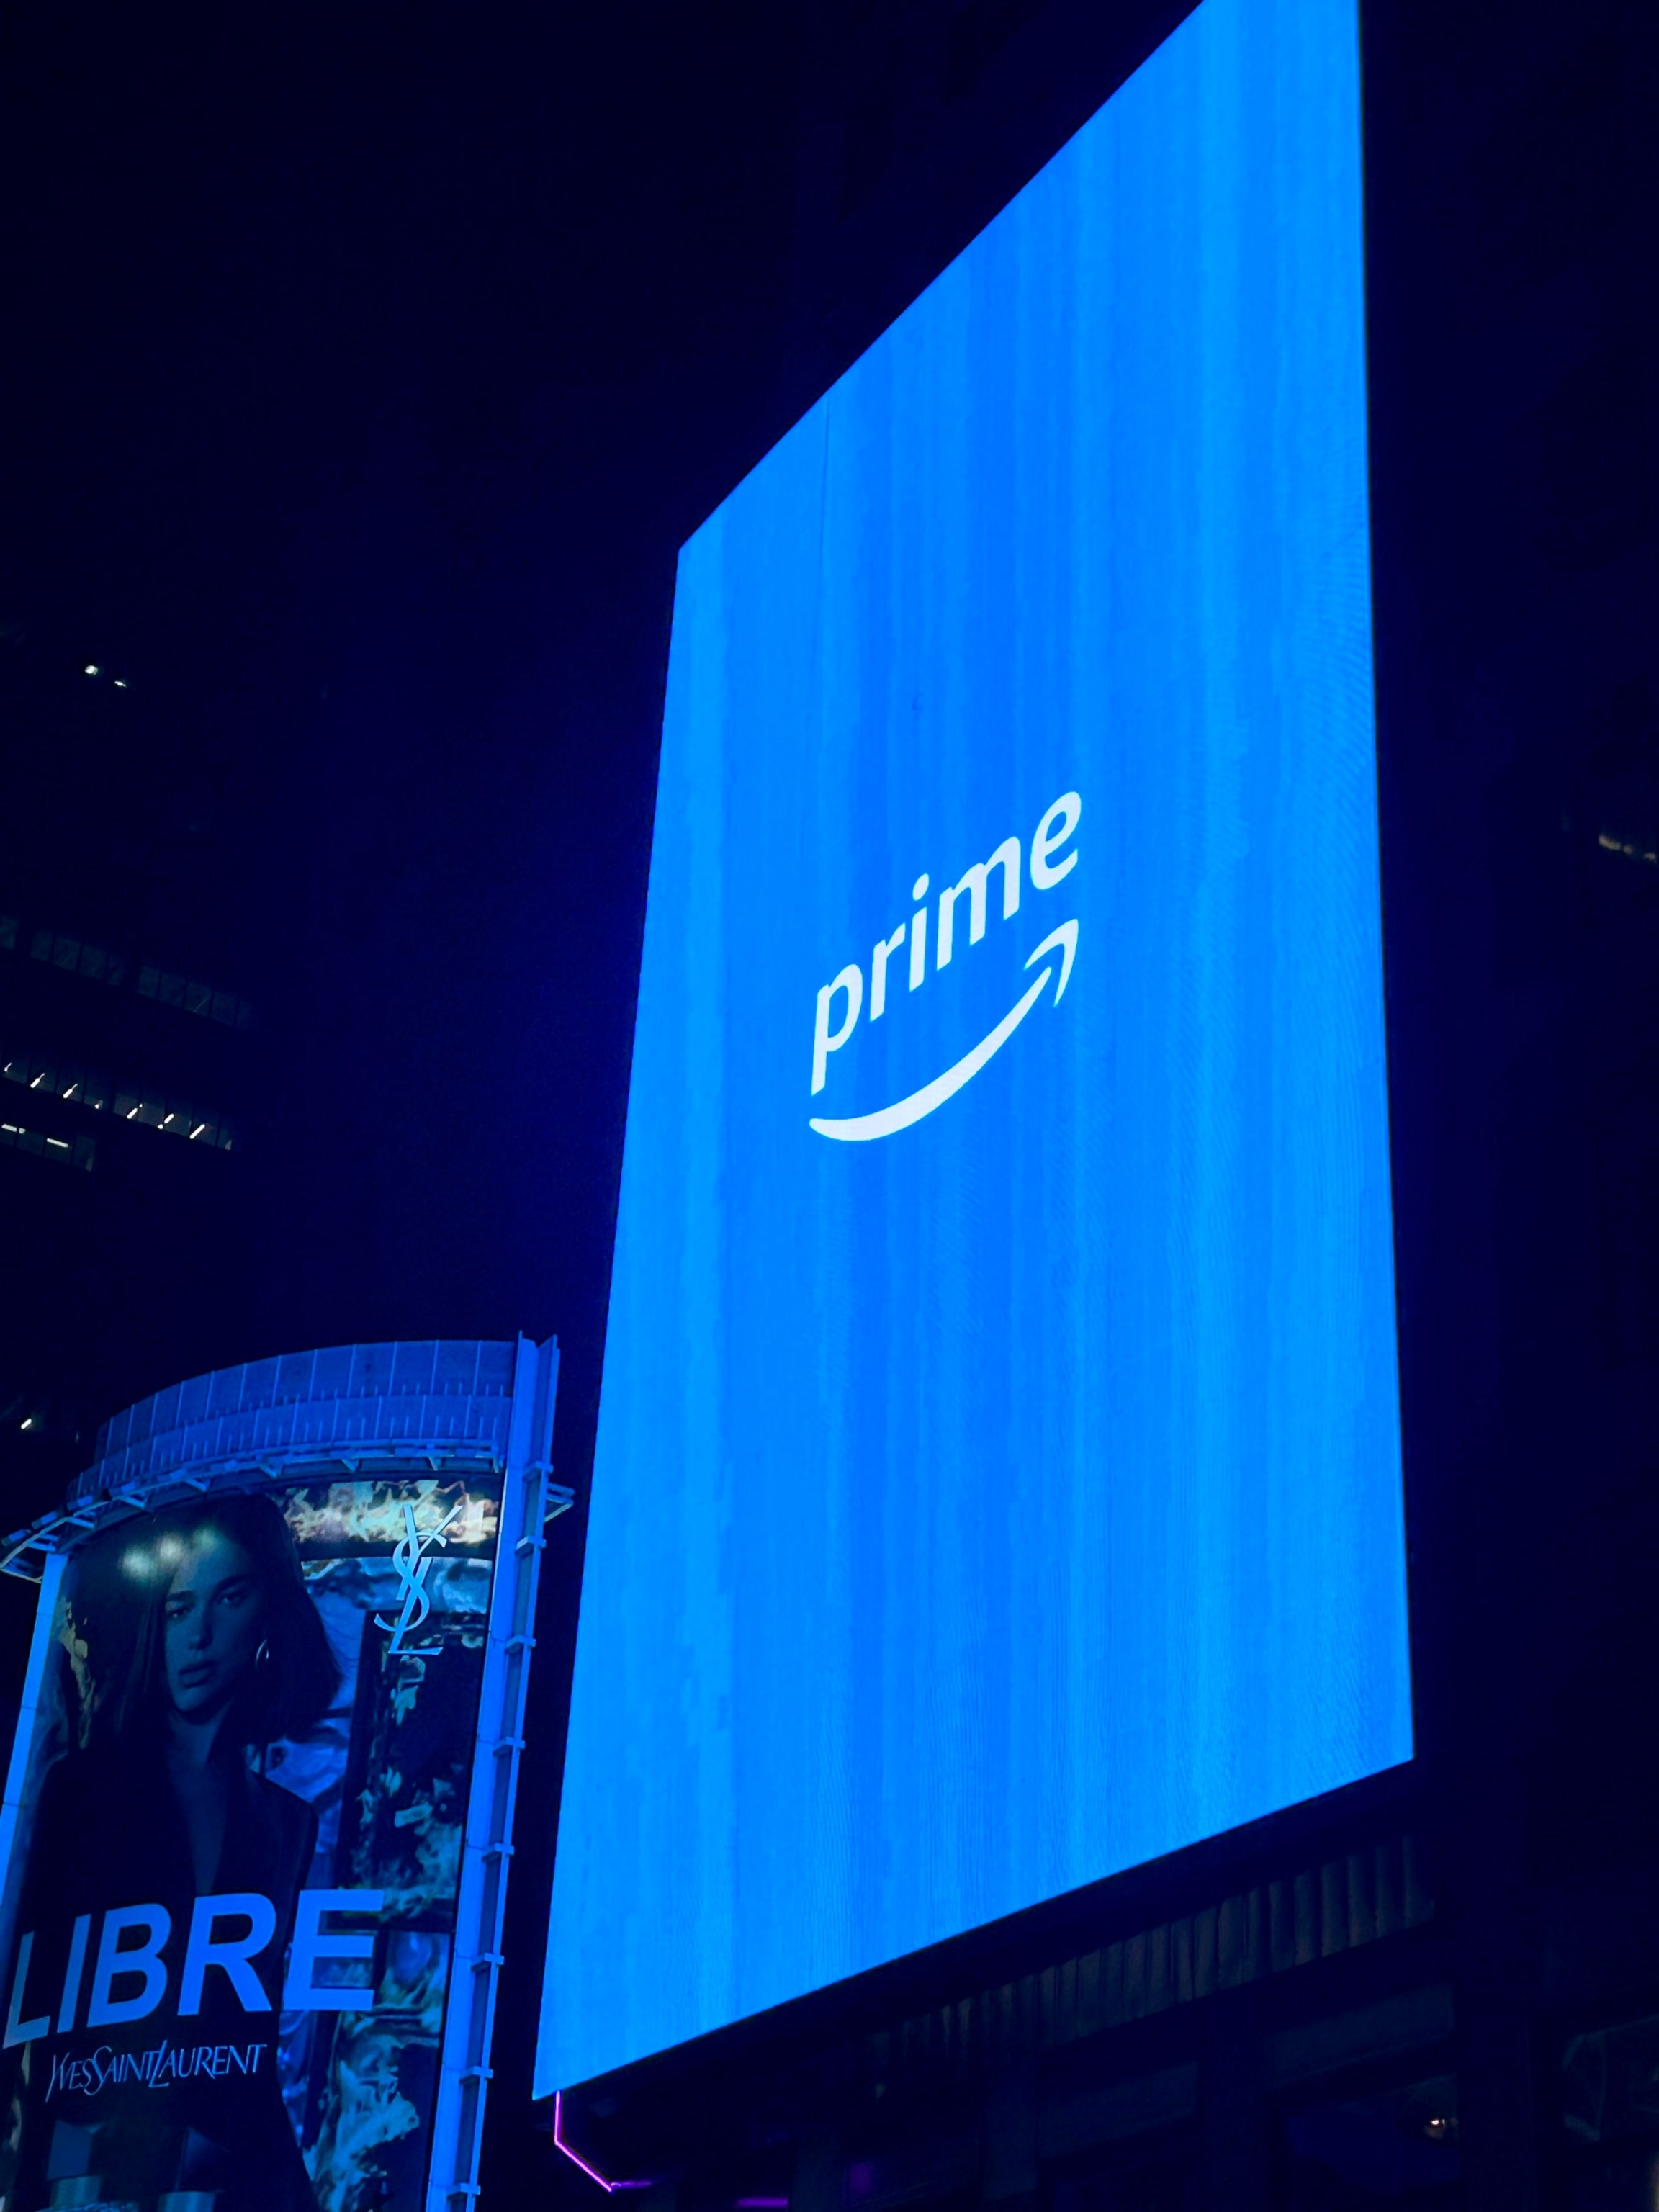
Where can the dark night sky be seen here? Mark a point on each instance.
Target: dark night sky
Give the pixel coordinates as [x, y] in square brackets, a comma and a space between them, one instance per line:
[356, 347]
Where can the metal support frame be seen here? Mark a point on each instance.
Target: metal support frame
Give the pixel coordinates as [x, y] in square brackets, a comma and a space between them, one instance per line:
[18, 1777]
[528, 1502]
[27, 1550]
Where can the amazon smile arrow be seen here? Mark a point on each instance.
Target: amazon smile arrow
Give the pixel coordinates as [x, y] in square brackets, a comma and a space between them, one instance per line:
[859, 1128]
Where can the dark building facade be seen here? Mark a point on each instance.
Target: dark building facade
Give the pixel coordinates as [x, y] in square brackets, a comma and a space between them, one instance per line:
[375, 369]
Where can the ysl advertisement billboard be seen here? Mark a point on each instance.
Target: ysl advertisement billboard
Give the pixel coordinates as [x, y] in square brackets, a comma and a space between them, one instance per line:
[238, 1854]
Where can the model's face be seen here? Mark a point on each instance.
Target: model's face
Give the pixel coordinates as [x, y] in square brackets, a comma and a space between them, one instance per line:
[214, 1615]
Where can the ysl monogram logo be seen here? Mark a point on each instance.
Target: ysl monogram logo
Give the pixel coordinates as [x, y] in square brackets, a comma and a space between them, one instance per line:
[412, 1559]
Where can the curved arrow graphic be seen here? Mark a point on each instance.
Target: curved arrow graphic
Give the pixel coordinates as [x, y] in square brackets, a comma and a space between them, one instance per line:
[859, 1128]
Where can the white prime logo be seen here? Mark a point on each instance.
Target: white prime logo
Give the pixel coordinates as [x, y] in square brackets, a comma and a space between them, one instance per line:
[1055, 829]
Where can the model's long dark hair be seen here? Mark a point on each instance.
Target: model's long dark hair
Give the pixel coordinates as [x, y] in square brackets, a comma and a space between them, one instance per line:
[293, 1684]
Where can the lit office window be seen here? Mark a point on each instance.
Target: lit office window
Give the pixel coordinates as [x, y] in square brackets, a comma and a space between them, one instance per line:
[77, 1152]
[155, 1109]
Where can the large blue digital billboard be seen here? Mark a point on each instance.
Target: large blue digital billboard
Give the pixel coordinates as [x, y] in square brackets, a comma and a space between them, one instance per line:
[998, 1480]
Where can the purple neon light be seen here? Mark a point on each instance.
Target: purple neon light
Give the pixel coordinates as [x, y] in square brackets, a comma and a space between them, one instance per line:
[575, 2158]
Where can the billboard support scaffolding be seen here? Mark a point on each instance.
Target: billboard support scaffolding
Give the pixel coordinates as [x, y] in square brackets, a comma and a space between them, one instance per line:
[458, 2127]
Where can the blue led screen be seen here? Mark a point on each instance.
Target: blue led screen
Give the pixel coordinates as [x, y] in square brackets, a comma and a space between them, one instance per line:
[998, 1477]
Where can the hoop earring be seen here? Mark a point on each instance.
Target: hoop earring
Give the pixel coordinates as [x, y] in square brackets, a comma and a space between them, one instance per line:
[262, 1656]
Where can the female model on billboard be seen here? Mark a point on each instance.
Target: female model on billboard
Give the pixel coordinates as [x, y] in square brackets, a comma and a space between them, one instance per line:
[150, 2063]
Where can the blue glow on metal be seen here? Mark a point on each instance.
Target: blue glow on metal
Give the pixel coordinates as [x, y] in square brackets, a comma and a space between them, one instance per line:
[19, 1781]
[998, 1479]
